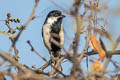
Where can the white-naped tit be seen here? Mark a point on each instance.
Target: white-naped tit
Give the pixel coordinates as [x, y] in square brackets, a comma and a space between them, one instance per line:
[52, 28]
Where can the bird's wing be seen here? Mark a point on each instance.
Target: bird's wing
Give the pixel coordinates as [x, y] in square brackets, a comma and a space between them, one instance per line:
[42, 32]
[46, 36]
[61, 34]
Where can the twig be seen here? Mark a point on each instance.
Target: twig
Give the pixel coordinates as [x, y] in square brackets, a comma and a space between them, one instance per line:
[33, 49]
[44, 66]
[14, 76]
[7, 23]
[85, 49]
[90, 53]
[27, 22]
[76, 69]
[56, 67]
[107, 62]
[52, 1]
[95, 16]
[13, 62]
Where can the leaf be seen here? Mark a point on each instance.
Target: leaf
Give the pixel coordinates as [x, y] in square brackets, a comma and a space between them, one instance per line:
[96, 67]
[3, 32]
[16, 57]
[97, 47]
[10, 35]
[18, 27]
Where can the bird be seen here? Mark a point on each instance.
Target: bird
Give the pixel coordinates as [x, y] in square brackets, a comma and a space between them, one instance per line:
[53, 29]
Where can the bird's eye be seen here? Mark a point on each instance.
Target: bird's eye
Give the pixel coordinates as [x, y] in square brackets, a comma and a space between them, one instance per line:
[56, 15]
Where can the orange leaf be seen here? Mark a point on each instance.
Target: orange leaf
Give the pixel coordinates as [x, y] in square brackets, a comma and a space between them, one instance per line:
[96, 67]
[97, 47]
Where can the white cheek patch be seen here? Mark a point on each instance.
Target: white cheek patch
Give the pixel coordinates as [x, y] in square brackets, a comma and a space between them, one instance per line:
[51, 20]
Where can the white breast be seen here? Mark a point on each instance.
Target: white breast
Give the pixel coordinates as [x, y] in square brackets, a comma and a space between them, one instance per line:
[47, 30]
[46, 35]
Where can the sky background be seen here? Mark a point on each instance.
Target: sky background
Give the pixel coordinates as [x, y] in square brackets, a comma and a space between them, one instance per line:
[22, 9]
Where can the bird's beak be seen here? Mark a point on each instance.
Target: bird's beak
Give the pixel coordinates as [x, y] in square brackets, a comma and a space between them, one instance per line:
[62, 16]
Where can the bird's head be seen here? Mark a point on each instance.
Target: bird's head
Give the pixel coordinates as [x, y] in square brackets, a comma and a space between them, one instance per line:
[54, 16]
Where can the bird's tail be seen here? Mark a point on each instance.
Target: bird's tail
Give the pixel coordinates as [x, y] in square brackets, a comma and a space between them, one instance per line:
[56, 63]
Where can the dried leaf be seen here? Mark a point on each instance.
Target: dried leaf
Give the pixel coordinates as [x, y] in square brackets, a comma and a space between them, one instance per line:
[97, 47]
[96, 67]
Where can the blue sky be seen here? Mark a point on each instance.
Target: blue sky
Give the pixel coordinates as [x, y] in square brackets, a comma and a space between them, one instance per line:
[22, 9]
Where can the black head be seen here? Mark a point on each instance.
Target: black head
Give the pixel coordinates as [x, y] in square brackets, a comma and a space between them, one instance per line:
[55, 13]
[53, 17]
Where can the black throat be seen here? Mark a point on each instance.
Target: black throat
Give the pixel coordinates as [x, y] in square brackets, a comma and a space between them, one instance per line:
[56, 26]
[55, 30]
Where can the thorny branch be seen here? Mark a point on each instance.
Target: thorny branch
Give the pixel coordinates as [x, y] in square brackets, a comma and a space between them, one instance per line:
[89, 16]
